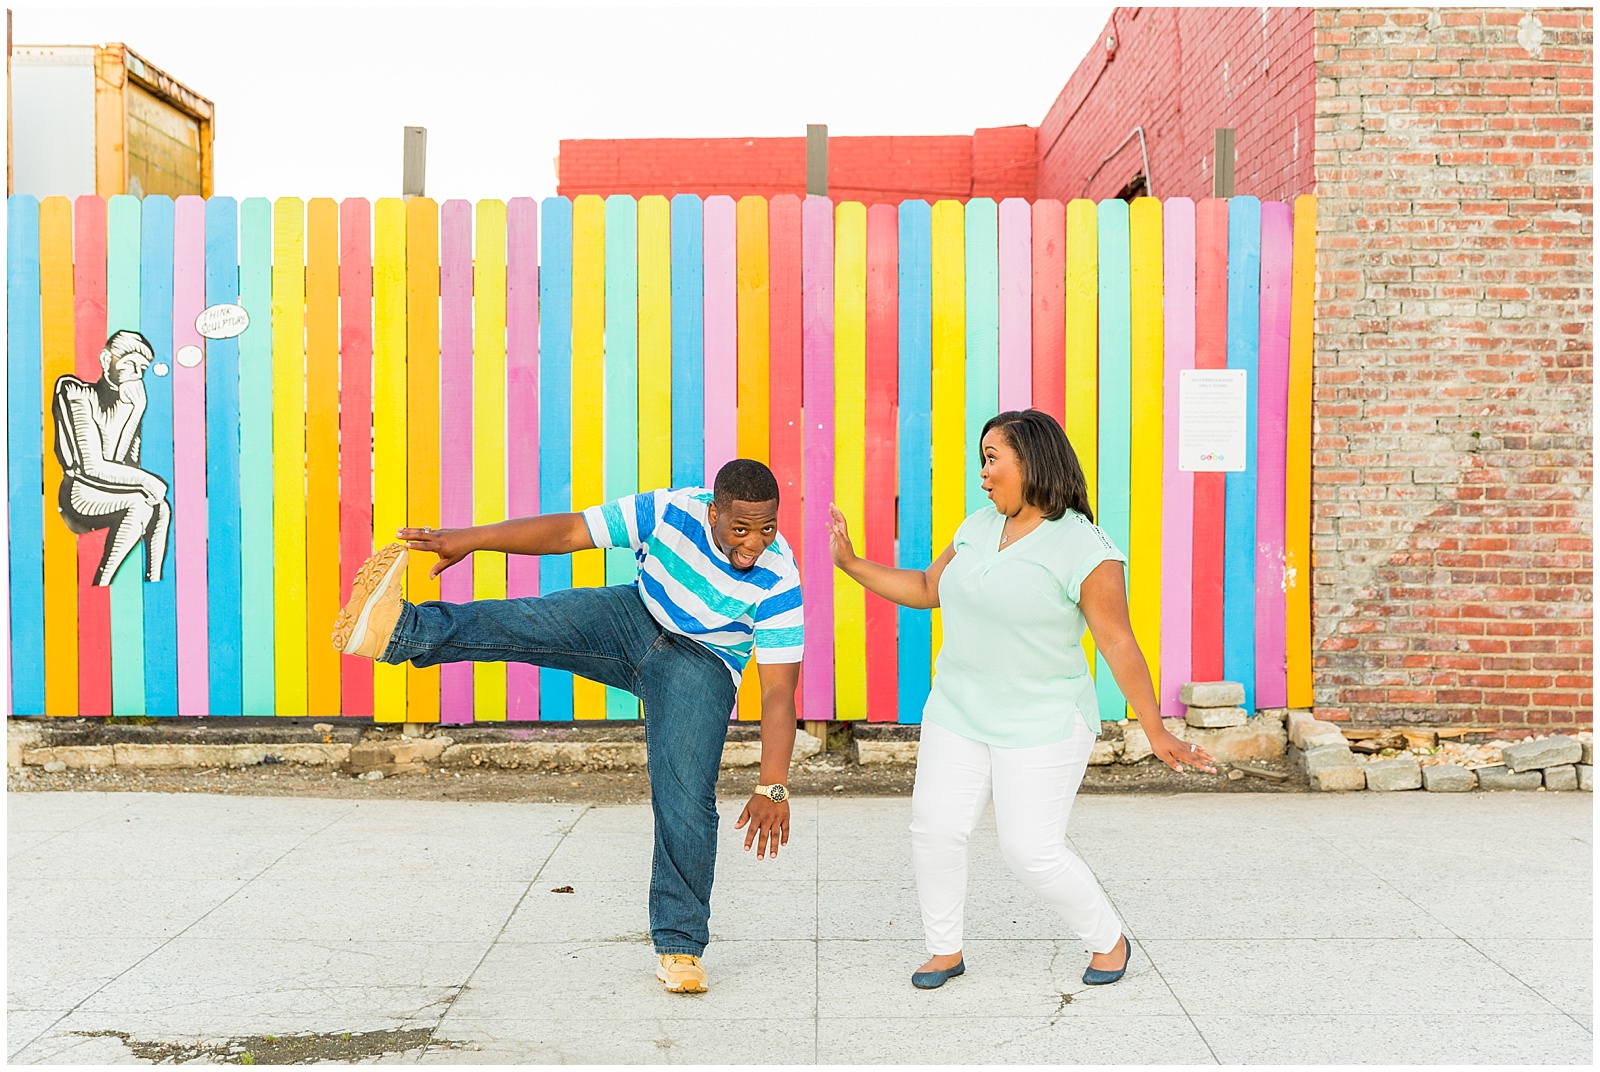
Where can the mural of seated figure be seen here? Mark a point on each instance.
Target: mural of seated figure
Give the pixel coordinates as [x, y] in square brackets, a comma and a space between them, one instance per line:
[97, 441]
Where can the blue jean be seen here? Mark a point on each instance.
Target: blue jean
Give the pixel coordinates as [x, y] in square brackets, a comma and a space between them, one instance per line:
[607, 635]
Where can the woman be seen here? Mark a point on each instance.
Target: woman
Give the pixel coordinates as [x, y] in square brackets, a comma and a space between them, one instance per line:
[1012, 714]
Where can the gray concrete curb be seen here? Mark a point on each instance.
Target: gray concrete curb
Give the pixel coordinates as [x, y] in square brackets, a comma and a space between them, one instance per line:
[25, 747]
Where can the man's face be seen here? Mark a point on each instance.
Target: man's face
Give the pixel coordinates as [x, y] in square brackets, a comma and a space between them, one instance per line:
[124, 368]
[744, 530]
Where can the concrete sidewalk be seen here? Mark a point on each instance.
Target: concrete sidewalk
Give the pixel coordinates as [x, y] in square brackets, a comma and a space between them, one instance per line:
[1396, 927]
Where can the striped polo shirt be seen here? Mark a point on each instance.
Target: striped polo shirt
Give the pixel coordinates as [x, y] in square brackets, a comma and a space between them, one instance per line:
[692, 589]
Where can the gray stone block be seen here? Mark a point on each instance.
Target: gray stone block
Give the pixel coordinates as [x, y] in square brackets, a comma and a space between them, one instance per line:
[1303, 728]
[1104, 752]
[1498, 777]
[1216, 718]
[1296, 716]
[1561, 779]
[1135, 744]
[1277, 714]
[1257, 739]
[20, 737]
[1321, 735]
[875, 753]
[1586, 777]
[1339, 779]
[1536, 755]
[748, 753]
[1328, 757]
[1586, 739]
[1394, 775]
[1211, 694]
[96, 757]
[1448, 778]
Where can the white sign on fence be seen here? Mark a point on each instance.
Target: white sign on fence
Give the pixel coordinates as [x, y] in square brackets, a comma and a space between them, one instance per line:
[222, 321]
[1212, 420]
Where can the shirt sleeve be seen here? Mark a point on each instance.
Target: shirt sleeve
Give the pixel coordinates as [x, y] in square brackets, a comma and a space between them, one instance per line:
[780, 628]
[625, 522]
[967, 533]
[1093, 547]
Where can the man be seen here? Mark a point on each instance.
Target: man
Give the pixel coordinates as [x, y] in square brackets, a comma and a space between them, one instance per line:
[97, 443]
[715, 580]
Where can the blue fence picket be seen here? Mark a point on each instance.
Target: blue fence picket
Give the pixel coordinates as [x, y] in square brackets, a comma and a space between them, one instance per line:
[223, 562]
[25, 453]
[555, 419]
[688, 341]
[1239, 553]
[155, 318]
[916, 448]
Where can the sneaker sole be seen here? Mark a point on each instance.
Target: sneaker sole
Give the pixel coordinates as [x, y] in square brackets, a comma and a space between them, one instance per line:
[350, 630]
[684, 988]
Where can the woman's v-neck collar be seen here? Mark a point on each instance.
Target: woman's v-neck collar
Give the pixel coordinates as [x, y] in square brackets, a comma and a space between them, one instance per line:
[997, 550]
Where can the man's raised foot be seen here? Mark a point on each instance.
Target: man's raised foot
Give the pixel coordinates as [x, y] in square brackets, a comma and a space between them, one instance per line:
[367, 622]
[681, 973]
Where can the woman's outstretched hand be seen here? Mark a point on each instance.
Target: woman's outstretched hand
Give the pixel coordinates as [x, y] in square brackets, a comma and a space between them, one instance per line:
[1176, 753]
[451, 545]
[839, 545]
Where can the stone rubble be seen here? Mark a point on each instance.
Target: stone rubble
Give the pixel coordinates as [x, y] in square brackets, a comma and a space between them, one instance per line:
[1390, 760]
[1215, 721]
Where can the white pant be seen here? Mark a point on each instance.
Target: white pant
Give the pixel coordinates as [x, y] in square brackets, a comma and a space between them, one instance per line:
[1032, 789]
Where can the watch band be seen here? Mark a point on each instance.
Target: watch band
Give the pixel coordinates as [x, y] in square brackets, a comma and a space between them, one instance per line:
[777, 792]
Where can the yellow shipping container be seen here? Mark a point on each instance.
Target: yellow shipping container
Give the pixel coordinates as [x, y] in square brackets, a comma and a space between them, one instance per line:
[102, 119]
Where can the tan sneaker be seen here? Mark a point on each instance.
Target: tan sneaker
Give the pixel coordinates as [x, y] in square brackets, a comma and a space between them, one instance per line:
[681, 973]
[367, 622]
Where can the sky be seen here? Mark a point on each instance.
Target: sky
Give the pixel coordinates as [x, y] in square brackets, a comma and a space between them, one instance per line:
[312, 102]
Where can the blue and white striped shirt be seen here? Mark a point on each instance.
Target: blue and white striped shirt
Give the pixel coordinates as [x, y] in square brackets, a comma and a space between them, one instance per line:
[690, 587]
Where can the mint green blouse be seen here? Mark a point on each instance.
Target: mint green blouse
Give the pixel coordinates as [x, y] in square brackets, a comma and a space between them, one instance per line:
[1011, 671]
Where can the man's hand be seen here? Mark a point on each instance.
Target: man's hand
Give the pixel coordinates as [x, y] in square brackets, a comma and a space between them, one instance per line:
[769, 825]
[451, 545]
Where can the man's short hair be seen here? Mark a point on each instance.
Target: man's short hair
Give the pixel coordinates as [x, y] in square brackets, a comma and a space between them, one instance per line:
[125, 342]
[744, 480]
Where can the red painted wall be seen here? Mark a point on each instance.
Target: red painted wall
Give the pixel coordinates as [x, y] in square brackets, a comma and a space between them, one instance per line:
[1180, 73]
[995, 162]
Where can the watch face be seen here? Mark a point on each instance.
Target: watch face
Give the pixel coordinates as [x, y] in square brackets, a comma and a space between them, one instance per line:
[778, 794]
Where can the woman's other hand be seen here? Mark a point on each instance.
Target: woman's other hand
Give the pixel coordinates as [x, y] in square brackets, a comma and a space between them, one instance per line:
[451, 545]
[1175, 753]
[839, 545]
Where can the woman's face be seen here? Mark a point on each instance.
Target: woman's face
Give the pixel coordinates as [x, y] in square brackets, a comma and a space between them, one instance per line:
[1002, 473]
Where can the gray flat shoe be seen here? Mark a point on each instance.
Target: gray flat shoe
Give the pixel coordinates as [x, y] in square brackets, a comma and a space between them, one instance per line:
[1100, 977]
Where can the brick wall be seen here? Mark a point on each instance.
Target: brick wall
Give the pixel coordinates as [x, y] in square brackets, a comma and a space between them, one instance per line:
[1180, 73]
[995, 162]
[1453, 545]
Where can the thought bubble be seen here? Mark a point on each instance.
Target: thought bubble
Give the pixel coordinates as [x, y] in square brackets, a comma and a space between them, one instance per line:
[190, 356]
[222, 321]
[160, 368]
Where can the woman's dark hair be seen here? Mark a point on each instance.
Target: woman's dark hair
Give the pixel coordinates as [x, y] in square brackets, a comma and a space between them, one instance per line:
[1052, 479]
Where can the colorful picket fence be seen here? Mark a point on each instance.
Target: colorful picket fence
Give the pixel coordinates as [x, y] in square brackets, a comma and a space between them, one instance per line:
[414, 363]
